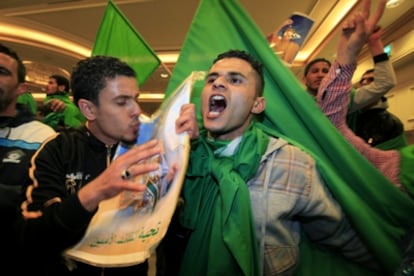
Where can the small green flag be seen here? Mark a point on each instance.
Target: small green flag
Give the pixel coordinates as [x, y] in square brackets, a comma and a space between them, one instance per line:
[117, 37]
[380, 213]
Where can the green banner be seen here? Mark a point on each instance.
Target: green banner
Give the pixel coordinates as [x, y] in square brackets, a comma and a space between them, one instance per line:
[117, 37]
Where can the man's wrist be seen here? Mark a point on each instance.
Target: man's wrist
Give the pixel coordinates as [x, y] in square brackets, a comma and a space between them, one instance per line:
[381, 57]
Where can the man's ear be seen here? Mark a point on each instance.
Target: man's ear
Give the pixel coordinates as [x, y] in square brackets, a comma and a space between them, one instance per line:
[21, 88]
[259, 105]
[87, 108]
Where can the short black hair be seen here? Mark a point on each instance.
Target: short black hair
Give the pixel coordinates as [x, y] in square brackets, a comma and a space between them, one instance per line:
[61, 80]
[312, 62]
[372, 70]
[21, 69]
[256, 64]
[91, 74]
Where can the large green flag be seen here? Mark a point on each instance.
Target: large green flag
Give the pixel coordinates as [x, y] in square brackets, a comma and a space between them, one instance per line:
[117, 37]
[379, 212]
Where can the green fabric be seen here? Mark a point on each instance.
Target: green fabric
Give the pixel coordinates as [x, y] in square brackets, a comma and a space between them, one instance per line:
[28, 99]
[69, 117]
[407, 171]
[351, 118]
[117, 37]
[398, 142]
[380, 213]
[217, 207]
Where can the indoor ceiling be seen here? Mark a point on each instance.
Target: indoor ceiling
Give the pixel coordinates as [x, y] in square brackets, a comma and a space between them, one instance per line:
[163, 24]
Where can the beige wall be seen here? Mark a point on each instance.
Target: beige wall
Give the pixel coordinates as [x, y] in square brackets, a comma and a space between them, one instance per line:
[401, 97]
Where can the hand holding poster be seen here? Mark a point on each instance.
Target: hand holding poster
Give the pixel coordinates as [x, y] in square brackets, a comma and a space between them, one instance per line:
[127, 228]
[289, 37]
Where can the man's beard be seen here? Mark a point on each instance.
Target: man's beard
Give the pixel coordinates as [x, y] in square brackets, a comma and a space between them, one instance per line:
[4, 102]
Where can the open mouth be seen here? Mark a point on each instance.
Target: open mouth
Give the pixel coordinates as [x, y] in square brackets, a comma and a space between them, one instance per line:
[217, 104]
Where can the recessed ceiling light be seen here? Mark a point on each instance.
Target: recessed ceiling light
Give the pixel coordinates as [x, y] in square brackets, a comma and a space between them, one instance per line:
[393, 3]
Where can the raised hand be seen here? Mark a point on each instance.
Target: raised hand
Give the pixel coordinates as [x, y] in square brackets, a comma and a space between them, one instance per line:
[187, 121]
[357, 30]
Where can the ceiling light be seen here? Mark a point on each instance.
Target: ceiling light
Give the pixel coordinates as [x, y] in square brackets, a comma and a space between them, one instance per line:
[393, 3]
[170, 57]
[11, 32]
[148, 96]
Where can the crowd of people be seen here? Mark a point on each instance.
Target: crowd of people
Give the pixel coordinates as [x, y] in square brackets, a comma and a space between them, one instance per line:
[367, 114]
[248, 196]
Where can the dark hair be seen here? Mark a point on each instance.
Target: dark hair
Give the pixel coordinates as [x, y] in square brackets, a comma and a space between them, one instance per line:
[377, 125]
[256, 65]
[61, 80]
[312, 62]
[21, 69]
[369, 79]
[369, 71]
[90, 76]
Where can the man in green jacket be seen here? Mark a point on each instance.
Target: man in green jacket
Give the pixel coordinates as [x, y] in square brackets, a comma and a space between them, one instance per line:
[58, 109]
[27, 99]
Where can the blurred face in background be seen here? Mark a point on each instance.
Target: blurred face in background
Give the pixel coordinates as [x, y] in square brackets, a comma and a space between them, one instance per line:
[313, 78]
[52, 87]
[366, 79]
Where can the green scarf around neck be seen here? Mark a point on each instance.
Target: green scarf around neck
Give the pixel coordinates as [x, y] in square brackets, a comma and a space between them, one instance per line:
[217, 208]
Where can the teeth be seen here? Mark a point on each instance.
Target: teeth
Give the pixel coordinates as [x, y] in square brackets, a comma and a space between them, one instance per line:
[214, 113]
[217, 104]
[217, 97]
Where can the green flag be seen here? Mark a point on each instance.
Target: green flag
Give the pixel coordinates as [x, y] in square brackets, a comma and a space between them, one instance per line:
[379, 212]
[117, 37]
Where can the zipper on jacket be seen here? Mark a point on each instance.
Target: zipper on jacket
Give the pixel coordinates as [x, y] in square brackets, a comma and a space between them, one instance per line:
[108, 154]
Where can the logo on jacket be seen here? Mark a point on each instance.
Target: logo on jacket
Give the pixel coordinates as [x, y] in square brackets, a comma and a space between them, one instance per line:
[73, 182]
[14, 156]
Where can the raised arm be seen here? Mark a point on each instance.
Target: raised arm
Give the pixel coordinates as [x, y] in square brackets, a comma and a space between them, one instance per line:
[334, 92]
[385, 78]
